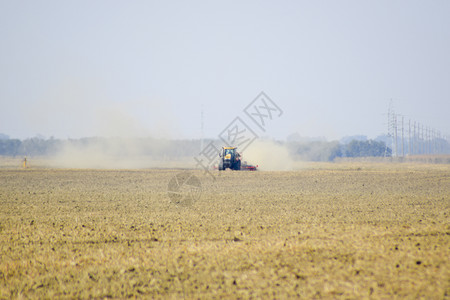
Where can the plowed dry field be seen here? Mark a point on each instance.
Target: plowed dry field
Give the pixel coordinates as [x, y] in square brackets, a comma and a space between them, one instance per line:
[327, 231]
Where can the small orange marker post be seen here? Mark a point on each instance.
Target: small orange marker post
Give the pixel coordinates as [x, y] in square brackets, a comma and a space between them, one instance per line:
[25, 163]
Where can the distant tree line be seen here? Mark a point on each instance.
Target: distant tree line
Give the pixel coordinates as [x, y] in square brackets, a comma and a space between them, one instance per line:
[32, 146]
[158, 148]
[166, 149]
[365, 148]
[328, 151]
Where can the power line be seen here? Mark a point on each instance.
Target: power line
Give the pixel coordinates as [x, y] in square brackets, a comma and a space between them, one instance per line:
[419, 139]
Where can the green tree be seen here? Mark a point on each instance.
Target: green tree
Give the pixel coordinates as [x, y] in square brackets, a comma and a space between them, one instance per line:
[366, 148]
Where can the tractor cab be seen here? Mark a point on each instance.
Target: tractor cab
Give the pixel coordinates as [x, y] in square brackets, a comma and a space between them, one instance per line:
[229, 159]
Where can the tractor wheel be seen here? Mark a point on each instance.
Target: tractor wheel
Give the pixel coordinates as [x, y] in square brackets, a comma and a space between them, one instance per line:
[238, 165]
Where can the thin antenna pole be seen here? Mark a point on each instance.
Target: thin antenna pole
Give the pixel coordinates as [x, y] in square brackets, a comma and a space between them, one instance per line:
[389, 128]
[423, 142]
[395, 135]
[403, 140]
[432, 140]
[201, 128]
[419, 145]
[409, 137]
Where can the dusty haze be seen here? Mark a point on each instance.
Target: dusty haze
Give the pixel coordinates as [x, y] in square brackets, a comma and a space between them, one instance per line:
[122, 153]
[269, 156]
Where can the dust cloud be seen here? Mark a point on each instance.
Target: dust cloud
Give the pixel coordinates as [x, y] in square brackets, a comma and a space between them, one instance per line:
[109, 134]
[269, 156]
[119, 153]
[141, 153]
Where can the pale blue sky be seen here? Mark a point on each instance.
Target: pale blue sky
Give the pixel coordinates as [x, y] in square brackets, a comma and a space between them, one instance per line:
[89, 68]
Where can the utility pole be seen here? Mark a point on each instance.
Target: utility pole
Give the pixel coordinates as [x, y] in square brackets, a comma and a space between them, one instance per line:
[423, 142]
[201, 129]
[419, 143]
[403, 139]
[433, 142]
[409, 137]
[421, 139]
[391, 129]
[395, 135]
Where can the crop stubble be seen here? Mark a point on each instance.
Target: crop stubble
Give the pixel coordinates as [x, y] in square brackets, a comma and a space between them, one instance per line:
[341, 230]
